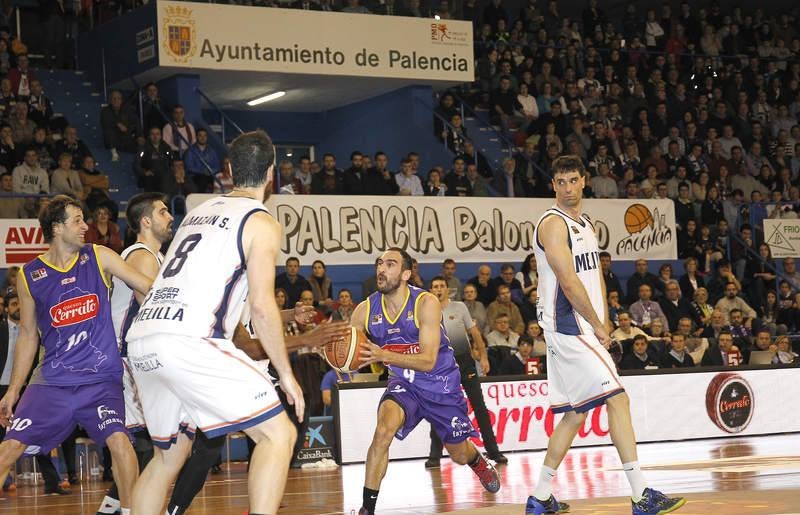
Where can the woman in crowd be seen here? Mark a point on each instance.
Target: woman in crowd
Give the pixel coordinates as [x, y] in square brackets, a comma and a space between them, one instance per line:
[321, 285]
[691, 280]
[476, 310]
[103, 231]
[759, 275]
[785, 354]
[536, 334]
[345, 305]
[711, 210]
[768, 313]
[527, 276]
[434, 187]
[701, 309]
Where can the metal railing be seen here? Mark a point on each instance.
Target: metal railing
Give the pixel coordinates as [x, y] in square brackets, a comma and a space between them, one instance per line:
[224, 117]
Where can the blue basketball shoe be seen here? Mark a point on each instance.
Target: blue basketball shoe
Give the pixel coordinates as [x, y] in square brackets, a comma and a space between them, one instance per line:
[551, 505]
[654, 502]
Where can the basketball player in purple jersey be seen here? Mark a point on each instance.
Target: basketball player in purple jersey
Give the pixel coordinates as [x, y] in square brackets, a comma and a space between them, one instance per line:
[64, 295]
[404, 324]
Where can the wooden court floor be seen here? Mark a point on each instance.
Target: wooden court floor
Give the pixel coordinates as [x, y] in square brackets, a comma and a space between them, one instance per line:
[759, 475]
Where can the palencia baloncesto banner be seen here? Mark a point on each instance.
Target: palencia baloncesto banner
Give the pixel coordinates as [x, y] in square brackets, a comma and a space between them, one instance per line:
[230, 37]
[355, 229]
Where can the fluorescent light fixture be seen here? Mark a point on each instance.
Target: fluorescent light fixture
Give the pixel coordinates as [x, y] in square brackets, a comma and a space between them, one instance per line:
[266, 98]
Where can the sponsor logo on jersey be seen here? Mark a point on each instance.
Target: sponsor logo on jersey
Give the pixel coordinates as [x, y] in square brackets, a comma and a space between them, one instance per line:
[377, 319]
[402, 348]
[68, 280]
[165, 294]
[398, 389]
[460, 427]
[574, 229]
[39, 273]
[84, 258]
[410, 315]
[75, 310]
[393, 330]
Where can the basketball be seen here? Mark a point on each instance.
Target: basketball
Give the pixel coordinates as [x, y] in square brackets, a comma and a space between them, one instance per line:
[343, 355]
[637, 217]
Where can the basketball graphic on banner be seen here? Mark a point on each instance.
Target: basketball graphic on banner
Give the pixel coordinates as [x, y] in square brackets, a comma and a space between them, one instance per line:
[637, 217]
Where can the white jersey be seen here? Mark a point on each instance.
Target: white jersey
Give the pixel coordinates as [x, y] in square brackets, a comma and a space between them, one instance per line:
[554, 311]
[202, 286]
[124, 306]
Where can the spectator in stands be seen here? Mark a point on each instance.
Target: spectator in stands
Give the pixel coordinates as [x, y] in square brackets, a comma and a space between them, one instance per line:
[640, 357]
[610, 278]
[40, 110]
[717, 283]
[407, 180]
[504, 304]
[454, 134]
[701, 310]
[639, 277]
[292, 282]
[7, 97]
[732, 301]
[534, 331]
[723, 353]
[501, 341]
[8, 149]
[456, 181]
[176, 184]
[626, 329]
[603, 185]
[43, 148]
[528, 307]
[673, 305]
[378, 180]
[152, 108]
[471, 155]
[528, 276]
[29, 177]
[741, 331]
[94, 181]
[354, 175]
[223, 181]
[202, 162]
[21, 78]
[155, 161]
[329, 180]
[516, 364]
[304, 175]
[331, 378]
[103, 231]
[785, 354]
[305, 5]
[179, 134]
[287, 180]
[321, 284]
[65, 180]
[344, 306]
[759, 274]
[70, 143]
[120, 126]
[506, 181]
[476, 309]
[12, 207]
[476, 182]
[505, 105]
[763, 341]
[453, 283]
[677, 357]
[22, 127]
[644, 310]
[691, 280]
[354, 7]
[791, 274]
[434, 187]
[416, 278]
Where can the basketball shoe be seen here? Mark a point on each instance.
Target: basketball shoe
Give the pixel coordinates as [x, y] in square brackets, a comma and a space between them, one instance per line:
[654, 502]
[551, 505]
[486, 473]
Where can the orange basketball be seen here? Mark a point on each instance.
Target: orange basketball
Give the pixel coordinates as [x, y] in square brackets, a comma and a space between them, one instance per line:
[637, 217]
[344, 355]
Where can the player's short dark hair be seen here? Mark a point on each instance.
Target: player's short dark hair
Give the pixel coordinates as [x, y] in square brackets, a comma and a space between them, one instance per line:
[406, 261]
[139, 206]
[567, 164]
[55, 213]
[251, 154]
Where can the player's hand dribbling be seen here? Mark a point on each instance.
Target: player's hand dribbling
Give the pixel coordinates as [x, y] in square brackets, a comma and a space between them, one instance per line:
[294, 395]
[7, 407]
[303, 314]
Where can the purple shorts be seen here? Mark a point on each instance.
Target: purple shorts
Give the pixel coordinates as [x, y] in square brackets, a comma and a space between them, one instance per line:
[47, 415]
[445, 412]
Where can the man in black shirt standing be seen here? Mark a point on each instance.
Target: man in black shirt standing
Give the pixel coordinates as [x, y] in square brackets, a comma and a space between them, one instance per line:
[292, 282]
[378, 180]
[504, 104]
[611, 279]
[457, 183]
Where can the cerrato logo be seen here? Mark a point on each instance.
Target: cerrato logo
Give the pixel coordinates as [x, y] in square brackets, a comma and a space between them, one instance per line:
[729, 402]
[103, 411]
[75, 310]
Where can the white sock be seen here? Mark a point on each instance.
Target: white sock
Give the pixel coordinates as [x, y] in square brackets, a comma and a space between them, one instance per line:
[636, 479]
[544, 488]
[109, 505]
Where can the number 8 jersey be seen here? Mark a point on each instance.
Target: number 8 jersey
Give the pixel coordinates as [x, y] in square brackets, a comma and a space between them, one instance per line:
[202, 285]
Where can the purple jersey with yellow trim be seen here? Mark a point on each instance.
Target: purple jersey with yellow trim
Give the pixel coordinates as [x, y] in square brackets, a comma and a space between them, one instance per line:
[73, 312]
[402, 335]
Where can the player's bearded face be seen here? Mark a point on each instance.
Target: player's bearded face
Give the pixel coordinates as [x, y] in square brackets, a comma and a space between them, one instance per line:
[387, 283]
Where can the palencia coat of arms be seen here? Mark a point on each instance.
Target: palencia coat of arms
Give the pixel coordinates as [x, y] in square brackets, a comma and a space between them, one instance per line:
[179, 33]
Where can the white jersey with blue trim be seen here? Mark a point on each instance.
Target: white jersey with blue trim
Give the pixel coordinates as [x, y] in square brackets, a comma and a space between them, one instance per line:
[124, 306]
[554, 310]
[201, 288]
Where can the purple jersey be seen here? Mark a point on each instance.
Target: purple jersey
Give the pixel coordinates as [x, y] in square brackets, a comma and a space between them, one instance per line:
[73, 311]
[402, 335]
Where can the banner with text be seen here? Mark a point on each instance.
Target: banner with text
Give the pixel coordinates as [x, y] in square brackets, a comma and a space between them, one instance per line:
[708, 404]
[22, 241]
[230, 37]
[350, 230]
[783, 237]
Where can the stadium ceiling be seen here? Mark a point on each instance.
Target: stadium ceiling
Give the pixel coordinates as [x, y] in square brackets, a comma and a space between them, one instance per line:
[304, 93]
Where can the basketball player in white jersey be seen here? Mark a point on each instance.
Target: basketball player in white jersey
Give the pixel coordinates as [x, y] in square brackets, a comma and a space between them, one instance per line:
[189, 373]
[149, 218]
[573, 313]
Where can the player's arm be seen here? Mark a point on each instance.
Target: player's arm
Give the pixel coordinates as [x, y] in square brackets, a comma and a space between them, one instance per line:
[319, 336]
[429, 320]
[553, 236]
[114, 265]
[260, 240]
[24, 351]
[607, 321]
[146, 264]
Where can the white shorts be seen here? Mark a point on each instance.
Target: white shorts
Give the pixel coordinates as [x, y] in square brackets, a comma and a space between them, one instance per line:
[134, 418]
[187, 383]
[580, 372]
